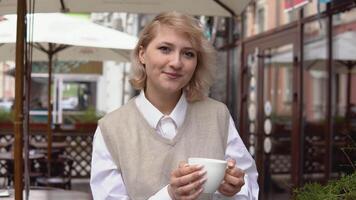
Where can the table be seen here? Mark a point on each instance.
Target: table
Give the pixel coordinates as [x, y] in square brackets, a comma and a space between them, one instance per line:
[44, 145]
[51, 195]
[10, 156]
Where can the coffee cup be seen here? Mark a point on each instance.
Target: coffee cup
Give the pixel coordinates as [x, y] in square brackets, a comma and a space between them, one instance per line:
[215, 172]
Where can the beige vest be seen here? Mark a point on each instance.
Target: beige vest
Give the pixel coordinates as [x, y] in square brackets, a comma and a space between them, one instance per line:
[145, 159]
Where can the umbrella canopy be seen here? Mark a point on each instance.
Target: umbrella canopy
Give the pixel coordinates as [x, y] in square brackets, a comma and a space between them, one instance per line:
[88, 40]
[195, 7]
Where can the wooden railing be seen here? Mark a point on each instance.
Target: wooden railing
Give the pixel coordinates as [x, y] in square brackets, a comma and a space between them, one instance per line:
[78, 147]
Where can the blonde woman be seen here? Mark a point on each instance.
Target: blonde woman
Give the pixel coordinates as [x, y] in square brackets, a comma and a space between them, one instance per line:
[140, 150]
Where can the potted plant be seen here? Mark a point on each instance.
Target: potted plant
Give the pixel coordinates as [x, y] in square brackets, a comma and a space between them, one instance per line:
[6, 119]
[87, 121]
[344, 188]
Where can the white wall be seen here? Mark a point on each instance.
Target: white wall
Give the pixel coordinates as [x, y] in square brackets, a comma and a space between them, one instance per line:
[110, 87]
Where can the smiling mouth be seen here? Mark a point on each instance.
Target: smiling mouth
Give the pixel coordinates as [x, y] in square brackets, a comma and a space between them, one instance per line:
[172, 75]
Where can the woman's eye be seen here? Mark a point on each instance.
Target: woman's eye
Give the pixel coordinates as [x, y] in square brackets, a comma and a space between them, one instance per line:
[189, 54]
[164, 49]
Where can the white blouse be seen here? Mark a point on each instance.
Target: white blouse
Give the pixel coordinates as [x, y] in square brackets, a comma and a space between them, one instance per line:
[106, 181]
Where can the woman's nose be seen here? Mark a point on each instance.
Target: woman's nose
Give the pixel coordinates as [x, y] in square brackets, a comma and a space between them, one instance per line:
[176, 60]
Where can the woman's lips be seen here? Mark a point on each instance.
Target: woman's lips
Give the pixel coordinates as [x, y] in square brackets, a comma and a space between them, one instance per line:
[172, 75]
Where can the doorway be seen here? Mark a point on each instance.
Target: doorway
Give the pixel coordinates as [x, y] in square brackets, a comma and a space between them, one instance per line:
[269, 107]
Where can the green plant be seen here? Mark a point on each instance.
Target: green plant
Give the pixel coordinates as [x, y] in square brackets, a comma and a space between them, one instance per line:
[90, 115]
[280, 119]
[344, 188]
[339, 119]
[348, 151]
[5, 116]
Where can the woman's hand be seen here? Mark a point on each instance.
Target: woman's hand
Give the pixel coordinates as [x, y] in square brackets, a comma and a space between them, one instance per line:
[186, 182]
[233, 180]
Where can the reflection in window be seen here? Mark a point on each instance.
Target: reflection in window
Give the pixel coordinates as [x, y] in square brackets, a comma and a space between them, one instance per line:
[315, 96]
[344, 84]
[279, 76]
[261, 19]
[76, 96]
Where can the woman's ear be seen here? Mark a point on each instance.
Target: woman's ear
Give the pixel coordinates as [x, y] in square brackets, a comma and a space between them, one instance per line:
[141, 55]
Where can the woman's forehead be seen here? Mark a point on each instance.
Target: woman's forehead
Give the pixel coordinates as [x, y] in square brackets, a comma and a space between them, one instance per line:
[164, 32]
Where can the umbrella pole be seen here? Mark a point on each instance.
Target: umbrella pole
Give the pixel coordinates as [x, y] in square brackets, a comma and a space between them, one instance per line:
[18, 125]
[49, 119]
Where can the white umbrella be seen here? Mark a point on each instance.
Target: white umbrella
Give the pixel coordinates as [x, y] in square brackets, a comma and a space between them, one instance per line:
[194, 7]
[89, 41]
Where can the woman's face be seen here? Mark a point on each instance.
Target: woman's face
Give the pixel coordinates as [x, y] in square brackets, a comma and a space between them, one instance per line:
[170, 61]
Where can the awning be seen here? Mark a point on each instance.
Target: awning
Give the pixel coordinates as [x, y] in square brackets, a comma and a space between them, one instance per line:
[193, 7]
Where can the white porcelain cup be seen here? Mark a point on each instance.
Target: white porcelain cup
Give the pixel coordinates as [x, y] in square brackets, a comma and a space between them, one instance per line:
[215, 172]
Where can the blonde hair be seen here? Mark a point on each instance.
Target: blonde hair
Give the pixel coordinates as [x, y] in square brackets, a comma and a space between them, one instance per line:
[202, 78]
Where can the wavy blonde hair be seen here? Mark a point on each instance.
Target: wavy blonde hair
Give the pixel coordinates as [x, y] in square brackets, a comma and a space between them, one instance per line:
[202, 79]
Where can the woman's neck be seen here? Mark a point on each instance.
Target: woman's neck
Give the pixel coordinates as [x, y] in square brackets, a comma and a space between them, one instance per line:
[163, 102]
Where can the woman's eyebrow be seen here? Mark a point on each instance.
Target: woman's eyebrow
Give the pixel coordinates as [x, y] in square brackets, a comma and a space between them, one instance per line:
[172, 45]
[166, 43]
[189, 48]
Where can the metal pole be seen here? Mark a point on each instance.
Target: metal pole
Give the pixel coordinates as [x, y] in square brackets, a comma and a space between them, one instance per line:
[18, 125]
[297, 133]
[329, 113]
[348, 98]
[49, 119]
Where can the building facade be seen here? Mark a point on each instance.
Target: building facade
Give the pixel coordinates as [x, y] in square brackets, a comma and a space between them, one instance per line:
[294, 102]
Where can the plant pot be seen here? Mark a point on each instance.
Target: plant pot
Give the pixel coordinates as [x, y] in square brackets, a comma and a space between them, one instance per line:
[6, 126]
[89, 127]
[38, 127]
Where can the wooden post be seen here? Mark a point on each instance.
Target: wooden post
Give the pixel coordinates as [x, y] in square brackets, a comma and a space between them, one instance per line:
[19, 76]
[49, 119]
[330, 94]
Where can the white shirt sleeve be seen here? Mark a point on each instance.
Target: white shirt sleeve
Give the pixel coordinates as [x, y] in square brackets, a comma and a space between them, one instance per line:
[237, 151]
[105, 180]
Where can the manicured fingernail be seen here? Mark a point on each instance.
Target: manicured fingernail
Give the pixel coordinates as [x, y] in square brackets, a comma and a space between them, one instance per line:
[201, 172]
[204, 179]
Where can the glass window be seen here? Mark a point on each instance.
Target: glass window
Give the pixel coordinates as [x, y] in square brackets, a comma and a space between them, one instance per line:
[234, 71]
[76, 96]
[277, 109]
[261, 19]
[312, 8]
[315, 95]
[344, 65]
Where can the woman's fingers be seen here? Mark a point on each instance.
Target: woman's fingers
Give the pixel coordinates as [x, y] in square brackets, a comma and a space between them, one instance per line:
[186, 181]
[192, 186]
[233, 180]
[185, 169]
[186, 175]
[227, 189]
[235, 177]
[193, 195]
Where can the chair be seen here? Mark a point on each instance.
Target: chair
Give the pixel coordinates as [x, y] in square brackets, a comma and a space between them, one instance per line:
[60, 173]
[7, 164]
